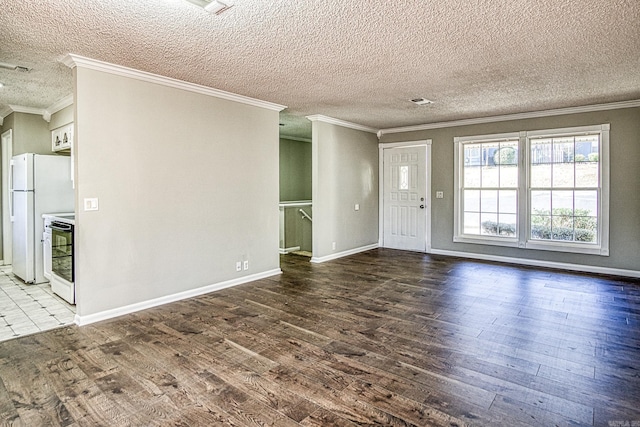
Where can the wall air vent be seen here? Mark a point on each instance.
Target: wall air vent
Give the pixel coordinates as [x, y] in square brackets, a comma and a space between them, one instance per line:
[213, 6]
[421, 101]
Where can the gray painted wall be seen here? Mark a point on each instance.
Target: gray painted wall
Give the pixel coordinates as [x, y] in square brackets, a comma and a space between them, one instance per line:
[62, 117]
[30, 134]
[345, 172]
[295, 170]
[187, 185]
[624, 185]
[8, 122]
[297, 228]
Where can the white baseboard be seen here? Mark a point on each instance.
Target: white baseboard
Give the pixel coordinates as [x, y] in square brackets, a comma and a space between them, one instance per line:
[132, 308]
[326, 258]
[540, 263]
[287, 250]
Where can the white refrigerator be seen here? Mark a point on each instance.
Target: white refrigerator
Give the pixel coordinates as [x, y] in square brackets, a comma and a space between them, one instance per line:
[39, 184]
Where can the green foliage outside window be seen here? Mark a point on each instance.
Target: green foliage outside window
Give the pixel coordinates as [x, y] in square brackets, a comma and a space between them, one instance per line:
[499, 229]
[568, 224]
[505, 156]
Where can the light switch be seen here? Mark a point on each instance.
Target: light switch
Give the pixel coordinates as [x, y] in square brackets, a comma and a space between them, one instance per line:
[357, 207]
[91, 204]
[439, 194]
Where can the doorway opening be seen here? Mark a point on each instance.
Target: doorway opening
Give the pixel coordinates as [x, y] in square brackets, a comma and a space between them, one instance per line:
[296, 205]
[26, 307]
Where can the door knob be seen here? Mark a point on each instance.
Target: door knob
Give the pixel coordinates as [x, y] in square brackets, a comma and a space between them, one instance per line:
[421, 206]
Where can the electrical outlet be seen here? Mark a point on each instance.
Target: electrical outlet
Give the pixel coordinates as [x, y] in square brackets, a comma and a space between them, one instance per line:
[439, 194]
[333, 246]
[245, 265]
[239, 266]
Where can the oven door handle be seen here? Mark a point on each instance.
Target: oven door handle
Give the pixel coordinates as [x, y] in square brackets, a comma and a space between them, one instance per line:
[61, 226]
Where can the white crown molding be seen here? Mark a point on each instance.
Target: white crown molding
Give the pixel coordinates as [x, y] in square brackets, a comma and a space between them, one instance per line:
[54, 108]
[517, 116]
[46, 113]
[295, 138]
[26, 110]
[73, 61]
[29, 110]
[338, 122]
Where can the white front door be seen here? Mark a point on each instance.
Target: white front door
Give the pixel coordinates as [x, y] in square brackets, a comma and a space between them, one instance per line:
[405, 198]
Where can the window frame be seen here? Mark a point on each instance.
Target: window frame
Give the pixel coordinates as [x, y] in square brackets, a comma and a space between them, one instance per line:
[601, 247]
[523, 238]
[459, 236]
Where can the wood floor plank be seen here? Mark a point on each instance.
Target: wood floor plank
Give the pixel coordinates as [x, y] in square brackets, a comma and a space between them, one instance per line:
[382, 337]
[534, 415]
[323, 417]
[8, 412]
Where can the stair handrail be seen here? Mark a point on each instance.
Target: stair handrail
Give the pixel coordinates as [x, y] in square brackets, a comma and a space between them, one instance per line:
[305, 215]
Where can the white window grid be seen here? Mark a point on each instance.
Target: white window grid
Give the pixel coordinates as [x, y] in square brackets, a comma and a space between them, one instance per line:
[523, 231]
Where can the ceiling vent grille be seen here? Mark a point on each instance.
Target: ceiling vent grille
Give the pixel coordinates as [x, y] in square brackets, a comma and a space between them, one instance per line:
[213, 6]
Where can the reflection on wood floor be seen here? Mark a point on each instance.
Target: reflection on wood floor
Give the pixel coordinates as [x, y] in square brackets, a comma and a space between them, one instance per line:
[384, 337]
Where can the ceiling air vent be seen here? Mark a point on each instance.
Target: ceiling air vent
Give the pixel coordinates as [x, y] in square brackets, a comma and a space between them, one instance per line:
[213, 6]
[421, 101]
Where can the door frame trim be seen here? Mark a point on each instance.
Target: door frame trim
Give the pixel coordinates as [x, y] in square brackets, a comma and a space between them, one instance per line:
[7, 154]
[385, 146]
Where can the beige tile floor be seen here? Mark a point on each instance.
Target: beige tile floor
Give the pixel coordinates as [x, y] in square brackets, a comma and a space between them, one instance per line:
[26, 309]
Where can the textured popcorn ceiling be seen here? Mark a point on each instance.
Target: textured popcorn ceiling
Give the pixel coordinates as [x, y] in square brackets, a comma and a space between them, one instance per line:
[355, 60]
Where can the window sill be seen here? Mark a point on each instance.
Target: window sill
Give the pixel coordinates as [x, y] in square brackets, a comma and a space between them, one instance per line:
[481, 240]
[566, 247]
[555, 246]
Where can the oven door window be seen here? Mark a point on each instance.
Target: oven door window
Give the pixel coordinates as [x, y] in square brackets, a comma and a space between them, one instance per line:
[62, 251]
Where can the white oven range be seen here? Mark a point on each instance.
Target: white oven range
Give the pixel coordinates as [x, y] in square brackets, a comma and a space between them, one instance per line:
[59, 254]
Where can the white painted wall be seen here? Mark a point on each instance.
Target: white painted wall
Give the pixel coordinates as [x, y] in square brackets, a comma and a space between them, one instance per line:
[187, 185]
[344, 173]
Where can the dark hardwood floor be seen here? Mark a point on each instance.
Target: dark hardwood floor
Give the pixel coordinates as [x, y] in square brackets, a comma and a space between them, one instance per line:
[380, 338]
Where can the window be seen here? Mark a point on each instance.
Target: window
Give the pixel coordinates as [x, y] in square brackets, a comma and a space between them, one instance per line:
[540, 189]
[489, 187]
